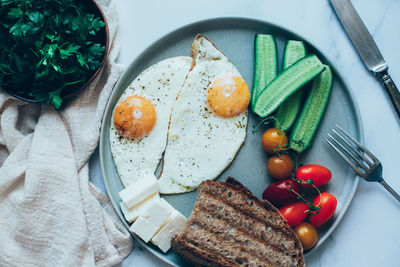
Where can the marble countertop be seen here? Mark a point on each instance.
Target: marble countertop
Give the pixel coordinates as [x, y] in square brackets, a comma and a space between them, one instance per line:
[369, 233]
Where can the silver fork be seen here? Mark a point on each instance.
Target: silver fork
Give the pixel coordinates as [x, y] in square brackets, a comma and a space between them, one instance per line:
[368, 169]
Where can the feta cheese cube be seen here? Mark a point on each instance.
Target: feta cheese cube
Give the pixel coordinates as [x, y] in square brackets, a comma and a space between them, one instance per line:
[174, 225]
[167, 205]
[139, 190]
[134, 212]
[151, 220]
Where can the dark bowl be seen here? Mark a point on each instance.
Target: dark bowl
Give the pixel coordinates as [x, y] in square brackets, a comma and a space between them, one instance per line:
[103, 37]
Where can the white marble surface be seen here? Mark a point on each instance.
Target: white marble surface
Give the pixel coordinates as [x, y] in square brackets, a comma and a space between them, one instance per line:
[369, 234]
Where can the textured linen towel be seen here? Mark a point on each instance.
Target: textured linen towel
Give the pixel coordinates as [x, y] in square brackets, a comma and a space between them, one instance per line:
[50, 214]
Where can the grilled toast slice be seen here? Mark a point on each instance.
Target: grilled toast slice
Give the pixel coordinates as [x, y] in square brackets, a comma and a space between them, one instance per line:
[229, 226]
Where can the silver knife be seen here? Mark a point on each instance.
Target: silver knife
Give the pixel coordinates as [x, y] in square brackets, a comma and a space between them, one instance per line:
[366, 48]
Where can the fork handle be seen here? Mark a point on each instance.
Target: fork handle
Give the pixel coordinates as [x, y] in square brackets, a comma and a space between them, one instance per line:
[390, 189]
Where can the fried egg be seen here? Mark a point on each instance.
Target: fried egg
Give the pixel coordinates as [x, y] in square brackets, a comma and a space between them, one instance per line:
[208, 122]
[139, 125]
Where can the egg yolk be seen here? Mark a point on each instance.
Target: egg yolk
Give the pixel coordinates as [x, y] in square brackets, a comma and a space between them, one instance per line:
[228, 96]
[134, 117]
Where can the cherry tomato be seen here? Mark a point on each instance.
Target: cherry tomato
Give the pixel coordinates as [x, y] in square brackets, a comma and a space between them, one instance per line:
[328, 204]
[319, 174]
[280, 167]
[307, 234]
[279, 193]
[274, 140]
[294, 213]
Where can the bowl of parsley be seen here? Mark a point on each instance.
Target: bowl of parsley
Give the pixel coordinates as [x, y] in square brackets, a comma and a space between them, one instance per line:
[50, 49]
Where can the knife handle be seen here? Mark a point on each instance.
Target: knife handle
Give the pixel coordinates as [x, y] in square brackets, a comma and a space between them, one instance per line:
[391, 90]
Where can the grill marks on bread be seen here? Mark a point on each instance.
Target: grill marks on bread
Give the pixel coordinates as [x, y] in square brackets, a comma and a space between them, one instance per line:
[254, 229]
[230, 250]
[229, 226]
[237, 236]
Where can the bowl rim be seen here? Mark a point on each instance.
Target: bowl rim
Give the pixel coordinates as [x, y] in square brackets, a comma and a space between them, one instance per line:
[95, 73]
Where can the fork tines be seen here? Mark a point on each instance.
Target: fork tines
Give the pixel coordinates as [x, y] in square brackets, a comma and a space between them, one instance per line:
[351, 152]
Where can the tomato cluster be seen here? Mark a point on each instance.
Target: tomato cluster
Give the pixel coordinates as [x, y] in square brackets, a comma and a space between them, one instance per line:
[286, 193]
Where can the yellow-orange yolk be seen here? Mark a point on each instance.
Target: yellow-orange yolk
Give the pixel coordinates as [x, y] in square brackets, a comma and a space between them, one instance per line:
[228, 96]
[134, 117]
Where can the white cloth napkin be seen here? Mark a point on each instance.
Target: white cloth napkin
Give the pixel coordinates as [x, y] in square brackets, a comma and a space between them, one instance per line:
[50, 214]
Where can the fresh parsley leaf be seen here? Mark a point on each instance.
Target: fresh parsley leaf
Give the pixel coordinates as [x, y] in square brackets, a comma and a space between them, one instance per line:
[76, 23]
[55, 99]
[82, 61]
[6, 2]
[95, 50]
[19, 29]
[14, 13]
[57, 68]
[95, 26]
[50, 50]
[68, 50]
[36, 17]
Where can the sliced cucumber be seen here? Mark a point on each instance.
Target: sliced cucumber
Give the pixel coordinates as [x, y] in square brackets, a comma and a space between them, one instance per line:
[288, 110]
[265, 64]
[307, 124]
[294, 51]
[286, 83]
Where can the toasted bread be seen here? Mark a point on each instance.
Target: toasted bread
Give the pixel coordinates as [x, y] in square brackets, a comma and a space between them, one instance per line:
[229, 226]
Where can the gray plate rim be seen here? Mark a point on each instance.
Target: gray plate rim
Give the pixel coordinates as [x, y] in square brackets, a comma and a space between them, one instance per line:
[109, 108]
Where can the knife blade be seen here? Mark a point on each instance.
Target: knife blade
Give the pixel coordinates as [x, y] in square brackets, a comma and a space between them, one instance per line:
[366, 48]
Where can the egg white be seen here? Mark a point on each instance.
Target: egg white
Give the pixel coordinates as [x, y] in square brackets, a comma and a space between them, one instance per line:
[160, 84]
[200, 144]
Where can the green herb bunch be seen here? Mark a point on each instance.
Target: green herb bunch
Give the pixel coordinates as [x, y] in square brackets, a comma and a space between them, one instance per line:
[48, 47]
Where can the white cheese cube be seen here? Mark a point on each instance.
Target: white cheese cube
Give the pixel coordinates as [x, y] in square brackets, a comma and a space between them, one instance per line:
[167, 205]
[139, 190]
[174, 225]
[134, 212]
[151, 220]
